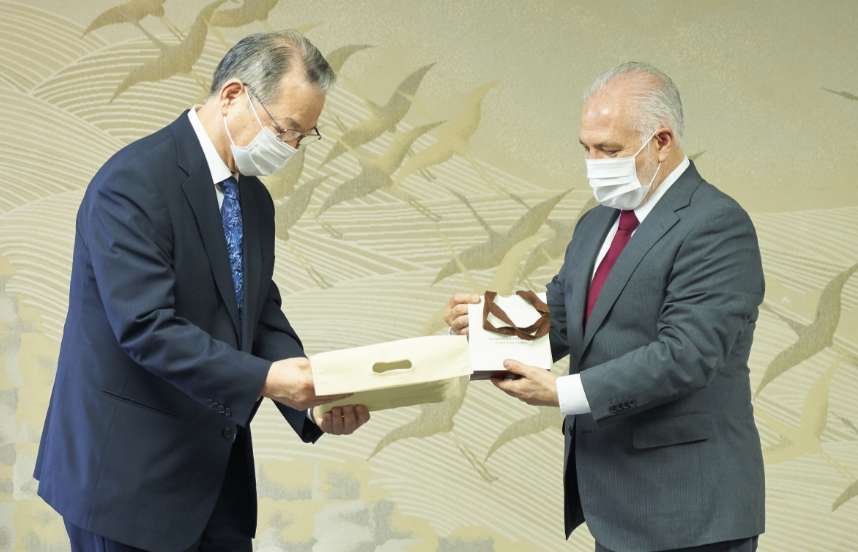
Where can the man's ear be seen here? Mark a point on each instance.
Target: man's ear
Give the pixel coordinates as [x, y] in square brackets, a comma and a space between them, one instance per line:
[229, 93]
[665, 142]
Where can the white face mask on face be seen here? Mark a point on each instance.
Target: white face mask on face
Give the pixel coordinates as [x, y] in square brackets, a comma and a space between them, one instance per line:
[615, 180]
[264, 155]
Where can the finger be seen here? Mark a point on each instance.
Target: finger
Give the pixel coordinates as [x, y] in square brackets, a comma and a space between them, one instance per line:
[465, 298]
[362, 414]
[502, 383]
[510, 384]
[349, 420]
[448, 308]
[327, 424]
[460, 309]
[459, 323]
[517, 368]
[337, 422]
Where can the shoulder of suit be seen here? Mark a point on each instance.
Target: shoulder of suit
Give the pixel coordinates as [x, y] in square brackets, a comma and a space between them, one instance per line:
[148, 158]
[141, 170]
[709, 203]
[588, 213]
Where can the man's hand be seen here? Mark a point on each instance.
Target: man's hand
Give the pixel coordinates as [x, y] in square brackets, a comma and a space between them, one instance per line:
[456, 312]
[343, 420]
[532, 385]
[290, 382]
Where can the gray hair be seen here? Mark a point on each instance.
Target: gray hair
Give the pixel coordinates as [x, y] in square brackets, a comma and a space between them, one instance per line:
[658, 103]
[260, 60]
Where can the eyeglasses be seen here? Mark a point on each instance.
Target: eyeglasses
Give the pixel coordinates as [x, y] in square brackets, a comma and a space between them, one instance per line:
[288, 134]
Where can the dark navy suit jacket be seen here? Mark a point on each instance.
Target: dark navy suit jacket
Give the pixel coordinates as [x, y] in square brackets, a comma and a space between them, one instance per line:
[158, 376]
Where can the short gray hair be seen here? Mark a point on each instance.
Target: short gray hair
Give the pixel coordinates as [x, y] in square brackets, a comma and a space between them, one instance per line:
[658, 104]
[260, 60]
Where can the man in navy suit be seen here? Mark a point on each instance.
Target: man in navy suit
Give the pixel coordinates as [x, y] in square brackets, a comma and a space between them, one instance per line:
[174, 331]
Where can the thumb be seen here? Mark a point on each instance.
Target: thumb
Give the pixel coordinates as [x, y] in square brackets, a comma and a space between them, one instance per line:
[516, 367]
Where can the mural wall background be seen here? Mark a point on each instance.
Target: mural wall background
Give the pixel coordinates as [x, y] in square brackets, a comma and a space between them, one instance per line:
[450, 162]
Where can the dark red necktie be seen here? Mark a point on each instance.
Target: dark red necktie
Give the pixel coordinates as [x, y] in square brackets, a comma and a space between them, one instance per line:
[628, 223]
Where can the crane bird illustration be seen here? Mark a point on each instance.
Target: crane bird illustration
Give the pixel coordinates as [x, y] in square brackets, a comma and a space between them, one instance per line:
[813, 337]
[337, 58]
[491, 252]
[383, 118]
[288, 212]
[435, 419]
[377, 174]
[173, 59]
[133, 11]
[842, 94]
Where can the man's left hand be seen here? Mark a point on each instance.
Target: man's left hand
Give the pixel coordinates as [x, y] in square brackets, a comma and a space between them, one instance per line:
[343, 420]
[533, 385]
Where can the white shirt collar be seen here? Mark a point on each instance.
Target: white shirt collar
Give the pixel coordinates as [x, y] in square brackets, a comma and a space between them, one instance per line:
[643, 210]
[217, 167]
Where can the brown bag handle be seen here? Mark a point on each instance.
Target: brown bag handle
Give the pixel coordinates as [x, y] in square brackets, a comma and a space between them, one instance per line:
[528, 333]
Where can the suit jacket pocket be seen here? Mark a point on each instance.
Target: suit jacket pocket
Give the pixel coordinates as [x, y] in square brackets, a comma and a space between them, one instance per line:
[678, 430]
[137, 403]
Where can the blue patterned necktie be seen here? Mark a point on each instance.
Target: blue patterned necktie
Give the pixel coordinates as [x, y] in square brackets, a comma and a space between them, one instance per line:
[230, 213]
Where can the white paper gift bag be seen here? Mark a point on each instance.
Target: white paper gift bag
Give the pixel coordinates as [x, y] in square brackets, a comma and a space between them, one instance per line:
[511, 326]
[392, 374]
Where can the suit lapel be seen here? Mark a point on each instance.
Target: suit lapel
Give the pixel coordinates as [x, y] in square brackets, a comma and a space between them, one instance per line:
[647, 234]
[593, 234]
[662, 218]
[200, 193]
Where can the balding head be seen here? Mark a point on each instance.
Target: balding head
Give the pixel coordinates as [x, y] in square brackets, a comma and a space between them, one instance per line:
[649, 97]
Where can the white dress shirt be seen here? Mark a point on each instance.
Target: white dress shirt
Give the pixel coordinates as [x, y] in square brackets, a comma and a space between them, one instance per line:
[217, 168]
[570, 391]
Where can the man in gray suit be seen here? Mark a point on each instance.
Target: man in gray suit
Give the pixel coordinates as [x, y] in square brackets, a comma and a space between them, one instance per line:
[656, 304]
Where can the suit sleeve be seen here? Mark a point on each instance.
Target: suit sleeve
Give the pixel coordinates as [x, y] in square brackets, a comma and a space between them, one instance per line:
[128, 236]
[555, 296]
[712, 296]
[556, 299]
[275, 340]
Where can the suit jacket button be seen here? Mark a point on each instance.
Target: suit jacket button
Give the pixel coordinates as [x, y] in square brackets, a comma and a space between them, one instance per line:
[228, 433]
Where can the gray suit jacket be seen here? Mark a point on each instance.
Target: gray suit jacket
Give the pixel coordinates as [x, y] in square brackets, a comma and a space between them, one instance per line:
[670, 455]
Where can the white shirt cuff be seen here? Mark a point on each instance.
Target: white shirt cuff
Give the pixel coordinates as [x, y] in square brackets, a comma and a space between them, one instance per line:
[570, 395]
[310, 415]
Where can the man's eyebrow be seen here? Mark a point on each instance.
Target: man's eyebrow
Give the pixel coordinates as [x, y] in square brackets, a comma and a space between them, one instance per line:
[603, 145]
[292, 124]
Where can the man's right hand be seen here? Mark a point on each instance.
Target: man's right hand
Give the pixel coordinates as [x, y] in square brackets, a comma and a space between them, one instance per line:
[290, 382]
[456, 312]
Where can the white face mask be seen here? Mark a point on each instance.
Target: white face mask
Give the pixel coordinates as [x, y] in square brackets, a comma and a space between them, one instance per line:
[264, 155]
[615, 180]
